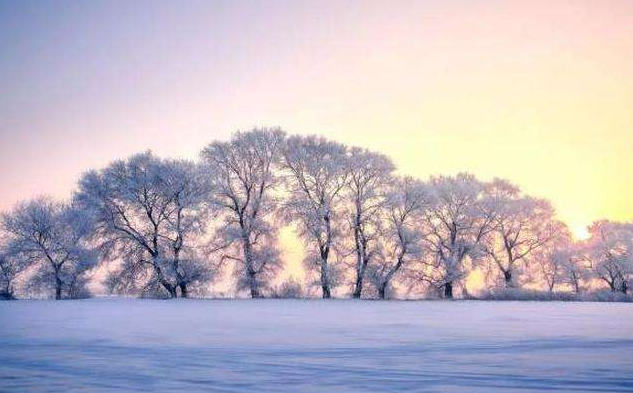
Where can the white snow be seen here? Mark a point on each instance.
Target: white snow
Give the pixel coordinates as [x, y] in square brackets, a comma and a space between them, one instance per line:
[103, 345]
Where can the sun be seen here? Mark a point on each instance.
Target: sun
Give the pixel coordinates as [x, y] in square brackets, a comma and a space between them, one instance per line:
[581, 232]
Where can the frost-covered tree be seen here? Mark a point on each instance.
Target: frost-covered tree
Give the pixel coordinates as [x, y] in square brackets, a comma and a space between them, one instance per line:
[575, 268]
[369, 174]
[401, 231]
[243, 180]
[317, 173]
[560, 261]
[610, 251]
[52, 236]
[457, 221]
[187, 187]
[565, 266]
[521, 225]
[145, 209]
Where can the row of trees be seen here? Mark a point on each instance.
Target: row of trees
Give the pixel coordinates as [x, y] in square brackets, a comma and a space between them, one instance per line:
[167, 227]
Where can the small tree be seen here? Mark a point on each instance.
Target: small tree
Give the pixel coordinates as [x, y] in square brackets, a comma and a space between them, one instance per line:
[53, 237]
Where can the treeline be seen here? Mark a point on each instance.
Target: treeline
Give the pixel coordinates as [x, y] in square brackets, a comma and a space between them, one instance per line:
[170, 228]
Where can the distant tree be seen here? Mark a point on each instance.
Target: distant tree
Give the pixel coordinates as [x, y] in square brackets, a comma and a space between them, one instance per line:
[10, 269]
[74, 280]
[520, 226]
[53, 237]
[561, 262]
[610, 251]
[369, 174]
[145, 209]
[457, 222]
[318, 172]
[401, 232]
[569, 268]
[575, 266]
[243, 180]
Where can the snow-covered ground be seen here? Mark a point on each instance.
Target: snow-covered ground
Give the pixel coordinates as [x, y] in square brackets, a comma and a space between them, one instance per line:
[104, 345]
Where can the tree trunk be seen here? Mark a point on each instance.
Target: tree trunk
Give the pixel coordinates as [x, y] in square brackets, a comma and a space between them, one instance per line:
[248, 260]
[448, 290]
[58, 286]
[612, 285]
[325, 284]
[360, 276]
[576, 283]
[171, 289]
[325, 253]
[183, 290]
[180, 279]
[58, 290]
[624, 287]
[358, 288]
[382, 290]
[255, 294]
[7, 293]
[507, 275]
[326, 291]
[361, 259]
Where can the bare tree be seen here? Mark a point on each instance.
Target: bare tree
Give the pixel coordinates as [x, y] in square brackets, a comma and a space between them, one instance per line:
[401, 234]
[521, 225]
[369, 174]
[52, 236]
[318, 172]
[243, 180]
[457, 221]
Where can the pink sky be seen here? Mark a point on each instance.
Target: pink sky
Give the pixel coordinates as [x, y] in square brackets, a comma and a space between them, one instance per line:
[540, 92]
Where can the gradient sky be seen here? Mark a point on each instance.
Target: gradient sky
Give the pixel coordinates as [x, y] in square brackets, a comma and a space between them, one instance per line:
[540, 92]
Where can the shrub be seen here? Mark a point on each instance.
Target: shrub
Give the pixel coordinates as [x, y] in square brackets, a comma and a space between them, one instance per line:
[518, 294]
[290, 289]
